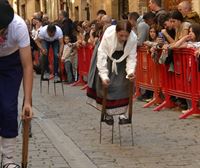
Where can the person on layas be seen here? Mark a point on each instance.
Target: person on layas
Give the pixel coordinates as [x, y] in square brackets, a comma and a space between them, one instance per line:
[116, 62]
[50, 35]
[15, 64]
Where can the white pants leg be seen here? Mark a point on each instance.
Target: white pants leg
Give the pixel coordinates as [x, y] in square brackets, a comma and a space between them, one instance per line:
[8, 150]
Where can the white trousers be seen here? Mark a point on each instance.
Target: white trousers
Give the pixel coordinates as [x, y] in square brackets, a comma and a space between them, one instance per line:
[8, 146]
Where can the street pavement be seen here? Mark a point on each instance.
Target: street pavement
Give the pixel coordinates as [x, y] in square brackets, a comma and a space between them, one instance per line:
[66, 135]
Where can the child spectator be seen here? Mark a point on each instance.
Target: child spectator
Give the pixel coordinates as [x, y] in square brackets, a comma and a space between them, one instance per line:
[66, 58]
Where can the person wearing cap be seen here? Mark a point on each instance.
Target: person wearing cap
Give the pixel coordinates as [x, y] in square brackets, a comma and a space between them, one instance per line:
[15, 64]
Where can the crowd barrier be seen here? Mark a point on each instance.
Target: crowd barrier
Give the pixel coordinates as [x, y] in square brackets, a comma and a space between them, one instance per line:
[148, 75]
[184, 82]
[84, 58]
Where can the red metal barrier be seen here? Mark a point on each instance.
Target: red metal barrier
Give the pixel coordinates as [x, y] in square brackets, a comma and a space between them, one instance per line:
[183, 82]
[148, 75]
[84, 58]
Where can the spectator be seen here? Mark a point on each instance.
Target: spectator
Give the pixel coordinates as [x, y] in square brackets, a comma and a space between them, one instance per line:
[192, 40]
[185, 8]
[168, 31]
[100, 14]
[149, 18]
[141, 28]
[106, 22]
[181, 27]
[66, 25]
[45, 20]
[155, 6]
[67, 59]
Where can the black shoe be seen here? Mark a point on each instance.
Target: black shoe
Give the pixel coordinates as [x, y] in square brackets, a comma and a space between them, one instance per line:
[124, 120]
[108, 119]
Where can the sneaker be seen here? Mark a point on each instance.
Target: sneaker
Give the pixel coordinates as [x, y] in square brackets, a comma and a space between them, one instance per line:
[108, 119]
[46, 76]
[56, 78]
[124, 120]
[11, 165]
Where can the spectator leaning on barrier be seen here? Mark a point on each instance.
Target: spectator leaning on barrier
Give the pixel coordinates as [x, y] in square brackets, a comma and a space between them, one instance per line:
[116, 62]
[168, 30]
[192, 40]
[15, 64]
[50, 35]
[181, 27]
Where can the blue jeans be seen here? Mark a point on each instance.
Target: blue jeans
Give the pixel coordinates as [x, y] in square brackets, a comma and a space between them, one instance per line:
[55, 47]
[69, 71]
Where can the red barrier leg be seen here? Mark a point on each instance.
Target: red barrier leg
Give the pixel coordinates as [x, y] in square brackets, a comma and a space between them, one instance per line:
[156, 100]
[193, 110]
[166, 104]
[84, 87]
[79, 82]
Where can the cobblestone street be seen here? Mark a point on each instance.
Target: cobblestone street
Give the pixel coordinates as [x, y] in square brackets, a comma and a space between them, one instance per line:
[66, 134]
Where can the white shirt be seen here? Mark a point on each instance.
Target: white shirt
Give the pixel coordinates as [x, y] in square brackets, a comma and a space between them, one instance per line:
[43, 35]
[16, 38]
[108, 46]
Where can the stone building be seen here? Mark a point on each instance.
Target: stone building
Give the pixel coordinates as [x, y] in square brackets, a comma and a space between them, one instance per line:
[86, 9]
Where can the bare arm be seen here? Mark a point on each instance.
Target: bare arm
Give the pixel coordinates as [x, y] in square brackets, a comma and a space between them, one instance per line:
[61, 46]
[167, 36]
[26, 60]
[182, 42]
[38, 41]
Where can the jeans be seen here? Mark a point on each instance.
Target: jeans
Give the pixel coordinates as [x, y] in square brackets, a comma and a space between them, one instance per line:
[55, 47]
[69, 71]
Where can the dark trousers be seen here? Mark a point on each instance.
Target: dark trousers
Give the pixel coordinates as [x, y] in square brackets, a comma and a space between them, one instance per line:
[69, 71]
[55, 47]
[10, 79]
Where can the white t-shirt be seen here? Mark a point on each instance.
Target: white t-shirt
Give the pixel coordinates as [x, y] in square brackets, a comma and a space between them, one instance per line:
[43, 35]
[16, 38]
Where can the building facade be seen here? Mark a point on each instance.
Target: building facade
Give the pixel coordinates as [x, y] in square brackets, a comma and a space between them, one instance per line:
[87, 9]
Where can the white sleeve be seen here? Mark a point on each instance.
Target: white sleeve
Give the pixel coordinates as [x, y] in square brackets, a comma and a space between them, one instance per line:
[22, 35]
[41, 33]
[102, 56]
[132, 59]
